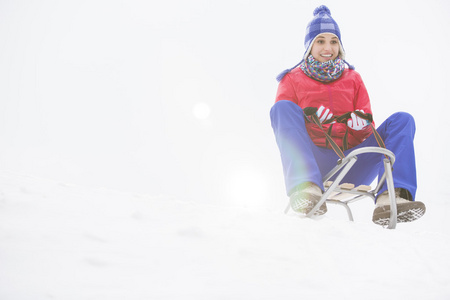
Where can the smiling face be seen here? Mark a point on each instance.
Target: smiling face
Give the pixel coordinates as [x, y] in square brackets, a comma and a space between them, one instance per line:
[325, 47]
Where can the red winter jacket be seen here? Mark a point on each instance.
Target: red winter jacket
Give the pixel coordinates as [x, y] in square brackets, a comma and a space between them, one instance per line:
[343, 95]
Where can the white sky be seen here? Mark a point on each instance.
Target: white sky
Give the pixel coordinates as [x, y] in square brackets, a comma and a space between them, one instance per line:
[107, 93]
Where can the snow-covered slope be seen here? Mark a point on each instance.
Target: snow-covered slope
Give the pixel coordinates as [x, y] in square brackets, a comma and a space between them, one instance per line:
[60, 241]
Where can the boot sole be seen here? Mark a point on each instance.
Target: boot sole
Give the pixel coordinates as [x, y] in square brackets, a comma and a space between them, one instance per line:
[406, 212]
[307, 205]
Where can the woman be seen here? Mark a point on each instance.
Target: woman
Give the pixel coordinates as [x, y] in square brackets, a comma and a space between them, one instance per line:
[323, 86]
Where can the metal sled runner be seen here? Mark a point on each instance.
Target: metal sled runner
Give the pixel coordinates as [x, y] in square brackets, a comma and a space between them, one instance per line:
[344, 194]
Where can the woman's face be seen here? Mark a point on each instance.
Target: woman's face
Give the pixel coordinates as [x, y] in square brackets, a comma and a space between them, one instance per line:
[325, 47]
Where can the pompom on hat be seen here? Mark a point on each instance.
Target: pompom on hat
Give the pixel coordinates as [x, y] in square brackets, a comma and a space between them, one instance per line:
[322, 22]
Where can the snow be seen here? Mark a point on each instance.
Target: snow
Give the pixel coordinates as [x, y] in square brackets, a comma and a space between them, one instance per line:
[62, 241]
[137, 159]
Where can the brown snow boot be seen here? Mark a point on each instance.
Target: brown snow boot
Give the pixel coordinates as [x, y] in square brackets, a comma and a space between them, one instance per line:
[407, 209]
[305, 197]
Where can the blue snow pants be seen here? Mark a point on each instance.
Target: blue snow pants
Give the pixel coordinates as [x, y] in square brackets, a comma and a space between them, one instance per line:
[303, 161]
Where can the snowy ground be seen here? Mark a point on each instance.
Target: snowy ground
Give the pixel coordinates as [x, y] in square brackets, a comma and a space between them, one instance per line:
[60, 241]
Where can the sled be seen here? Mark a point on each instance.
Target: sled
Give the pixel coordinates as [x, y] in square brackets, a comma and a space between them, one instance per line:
[345, 193]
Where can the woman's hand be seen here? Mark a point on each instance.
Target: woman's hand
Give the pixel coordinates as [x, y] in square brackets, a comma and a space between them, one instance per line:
[324, 114]
[357, 123]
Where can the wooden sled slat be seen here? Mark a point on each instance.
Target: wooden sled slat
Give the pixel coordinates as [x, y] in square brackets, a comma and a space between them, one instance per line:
[342, 195]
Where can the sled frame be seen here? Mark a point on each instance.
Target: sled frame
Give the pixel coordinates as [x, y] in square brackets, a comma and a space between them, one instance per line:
[354, 194]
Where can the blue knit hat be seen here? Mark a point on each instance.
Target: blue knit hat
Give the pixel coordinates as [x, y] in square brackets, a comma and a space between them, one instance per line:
[321, 23]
